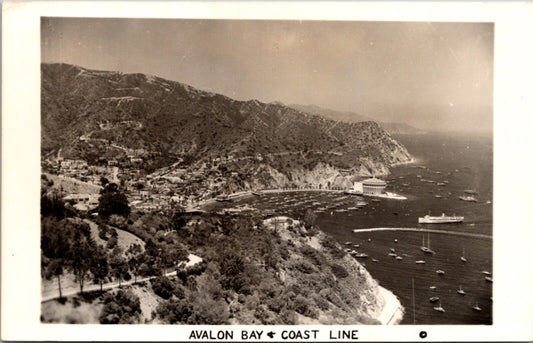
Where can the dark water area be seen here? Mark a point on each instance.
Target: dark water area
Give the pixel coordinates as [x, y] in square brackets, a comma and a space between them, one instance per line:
[446, 166]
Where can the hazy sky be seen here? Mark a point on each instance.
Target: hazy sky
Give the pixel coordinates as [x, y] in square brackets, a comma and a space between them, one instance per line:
[431, 75]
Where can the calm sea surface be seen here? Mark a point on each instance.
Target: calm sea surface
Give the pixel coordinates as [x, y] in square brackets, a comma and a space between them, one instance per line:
[457, 163]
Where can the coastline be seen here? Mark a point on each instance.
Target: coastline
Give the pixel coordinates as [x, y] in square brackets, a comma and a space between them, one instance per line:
[412, 160]
[392, 312]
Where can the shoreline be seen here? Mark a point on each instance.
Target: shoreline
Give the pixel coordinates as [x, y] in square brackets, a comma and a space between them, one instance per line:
[393, 311]
[412, 160]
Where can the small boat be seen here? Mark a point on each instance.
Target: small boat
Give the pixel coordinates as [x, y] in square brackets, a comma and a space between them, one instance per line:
[463, 258]
[433, 299]
[257, 193]
[460, 291]
[440, 272]
[399, 258]
[485, 272]
[425, 249]
[348, 243]
[375, 260]
[468, 198]
[433, 288]
[361, 255]
[369, 240]
[476, 307]
[470, 191]
[488, 279]
[439, 308]
[392, 250]
[395, 241]
[356, 245]
[376, 200]
[438, 196]
[393, 254]
[420, 262]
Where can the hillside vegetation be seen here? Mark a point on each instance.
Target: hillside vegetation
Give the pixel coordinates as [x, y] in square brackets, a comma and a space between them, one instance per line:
[252, 271]
[99, 115]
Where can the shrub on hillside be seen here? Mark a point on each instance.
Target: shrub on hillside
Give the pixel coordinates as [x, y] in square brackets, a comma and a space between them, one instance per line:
[339, 271]
[163, 287]
[311, 254]
[122, 308]
[174, 311]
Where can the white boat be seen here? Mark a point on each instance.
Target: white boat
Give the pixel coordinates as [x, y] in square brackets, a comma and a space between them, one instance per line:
[440, 272]
[460, 291]
[425, 249]
[433, 288]
[393, 254]
[439, 308]
[488, 279]
[433, 299]
[427, 219]
[468, 198]
[375, 260]
[361, 255]
[485, 272]
[420, 262]
[476, 307]
[463, 258]
[399, 258]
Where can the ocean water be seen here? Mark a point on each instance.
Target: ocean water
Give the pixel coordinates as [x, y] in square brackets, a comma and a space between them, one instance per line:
[456, 162]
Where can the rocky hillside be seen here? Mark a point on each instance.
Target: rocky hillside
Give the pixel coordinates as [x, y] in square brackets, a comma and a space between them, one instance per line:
[96, 115]
[277, 271]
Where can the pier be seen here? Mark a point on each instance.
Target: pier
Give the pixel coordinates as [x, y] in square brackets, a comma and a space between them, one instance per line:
[456, 233]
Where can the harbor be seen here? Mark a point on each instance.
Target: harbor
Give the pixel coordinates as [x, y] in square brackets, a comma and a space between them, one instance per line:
[374, 227]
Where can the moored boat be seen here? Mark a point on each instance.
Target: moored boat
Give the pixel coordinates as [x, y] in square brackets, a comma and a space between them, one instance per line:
[460, 291]
[468, 198]
[476, 307]
[440, 272]
[439, 308]
[433, 299]
[427, 219]
[420, 262]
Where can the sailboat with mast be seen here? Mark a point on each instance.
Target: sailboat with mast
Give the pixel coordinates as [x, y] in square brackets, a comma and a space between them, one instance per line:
[425, 249]
[439, 308]
[463, 258]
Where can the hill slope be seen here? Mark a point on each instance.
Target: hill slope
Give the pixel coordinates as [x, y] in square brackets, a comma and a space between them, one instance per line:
[99, 115]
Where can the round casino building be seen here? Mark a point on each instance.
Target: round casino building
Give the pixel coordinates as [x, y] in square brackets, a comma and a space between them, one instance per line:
[373, 186]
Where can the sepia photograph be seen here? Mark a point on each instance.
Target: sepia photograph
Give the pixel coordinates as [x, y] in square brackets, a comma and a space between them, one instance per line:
[266, 172]
[265, 177]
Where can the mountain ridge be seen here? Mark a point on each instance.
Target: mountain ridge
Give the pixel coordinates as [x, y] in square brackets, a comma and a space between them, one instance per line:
[354, 117]
[103, 115]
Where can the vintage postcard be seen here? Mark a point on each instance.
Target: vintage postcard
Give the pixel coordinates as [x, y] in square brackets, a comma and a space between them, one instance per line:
[266, 171]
